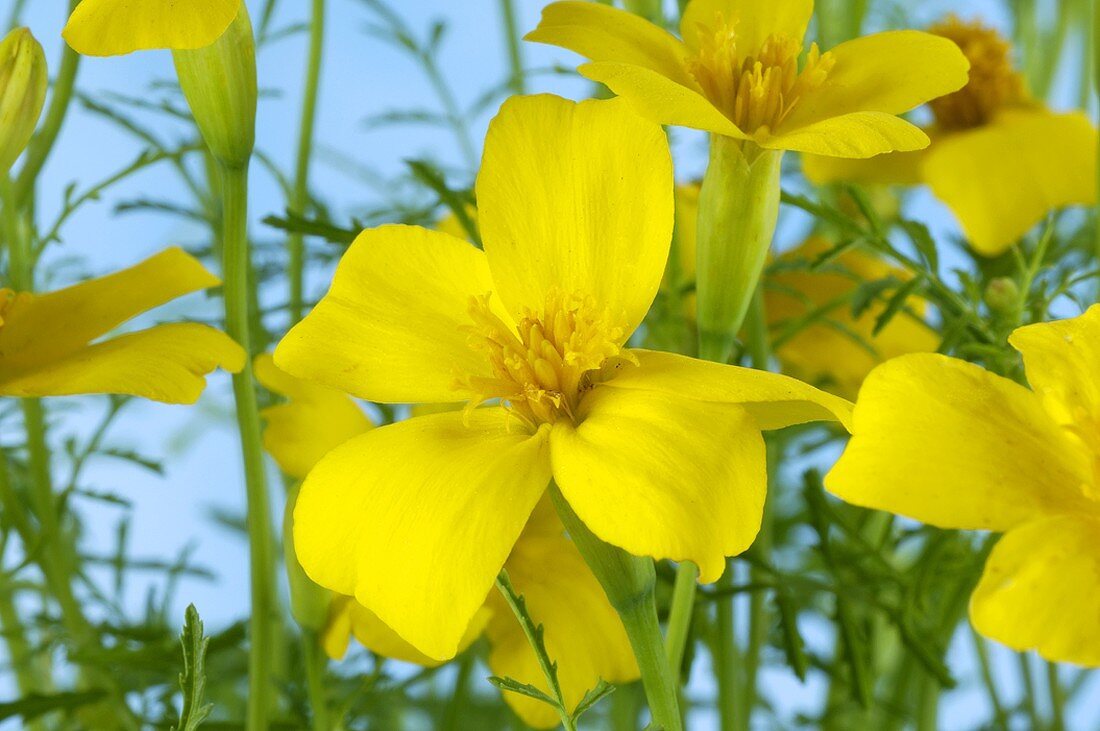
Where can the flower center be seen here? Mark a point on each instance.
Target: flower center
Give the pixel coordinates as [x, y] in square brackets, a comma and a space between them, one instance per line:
[540, 368]
[994, 84]
[755, 88]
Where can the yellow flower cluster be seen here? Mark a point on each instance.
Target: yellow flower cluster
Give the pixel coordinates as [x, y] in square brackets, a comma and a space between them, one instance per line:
[527, 345]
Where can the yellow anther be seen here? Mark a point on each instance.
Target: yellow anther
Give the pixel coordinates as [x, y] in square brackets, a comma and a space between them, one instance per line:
[756, 88]
[541, 367]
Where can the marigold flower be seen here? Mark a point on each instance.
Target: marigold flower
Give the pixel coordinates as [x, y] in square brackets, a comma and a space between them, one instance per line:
[583, 633]
[735, 72]
[996, 197]
[949, 443]
[417, 518]
[47, 348]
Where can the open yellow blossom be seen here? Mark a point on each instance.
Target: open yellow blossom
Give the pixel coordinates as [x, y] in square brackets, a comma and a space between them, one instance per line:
[945, 441]
[118, 27]
[47, 348]
[1000, 160]
[658, 454]
[735, 72]
[583, 633]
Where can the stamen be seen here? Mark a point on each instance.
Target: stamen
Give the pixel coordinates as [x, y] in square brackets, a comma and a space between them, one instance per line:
[994, 84]
[540, 368]
[756, 88]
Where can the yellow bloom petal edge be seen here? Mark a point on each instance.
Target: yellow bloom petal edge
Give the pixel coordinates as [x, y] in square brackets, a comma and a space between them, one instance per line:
[118, 27]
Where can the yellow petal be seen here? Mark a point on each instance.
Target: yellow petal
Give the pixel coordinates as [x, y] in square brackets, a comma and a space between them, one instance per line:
[889, 72]
[948, 443]
[1062, 360]
[604, 33]
[1041, 590]
[41, 328]
[576, 198]
[835, 347]
[117, 27]
[350, 618]
[392, 327]
[756, 19]
[416, 519]
[888, 168]
[774, 401]
[662, 475]
[999, 197]
[583, 633]
[661, 99]
[316, 420]
[857, 134]
[166, 363]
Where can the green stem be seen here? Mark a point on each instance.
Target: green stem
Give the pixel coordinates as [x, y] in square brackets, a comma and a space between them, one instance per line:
[300, 197]
[452, 713]
[759, 354]
[316, 662]
[42, 144]
[999, 716]
[516, 79]
[629, 583]
[727, 656]
[1057, 698]
[265, 617]
[679, 618]
[1029, 690]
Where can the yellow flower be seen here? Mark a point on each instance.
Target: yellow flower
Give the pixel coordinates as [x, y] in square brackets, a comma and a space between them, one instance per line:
[583, 633]
[999, 160]
[946, 442]
[46, 346]
[118, 27]
[22, 92]
[736, 73]
[659, 454]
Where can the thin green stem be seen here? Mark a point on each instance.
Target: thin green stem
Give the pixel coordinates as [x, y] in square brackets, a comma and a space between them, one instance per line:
[644, 633]
[679, 618]
[316, 662]
[517, 81]
[980, 649]
[759, 355]
[1030, 705]
[265, 612]
[452, 713]
[42, 144]
[1057, 697]
[727, 656]
[300, 196]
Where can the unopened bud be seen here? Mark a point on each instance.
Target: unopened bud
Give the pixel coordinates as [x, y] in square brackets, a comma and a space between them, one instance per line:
[219, 82]
[1002, 295]
[22, 93]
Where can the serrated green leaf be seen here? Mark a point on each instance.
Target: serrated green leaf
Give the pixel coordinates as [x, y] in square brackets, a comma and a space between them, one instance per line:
[592, 697]
[193, 677]
[514, 686]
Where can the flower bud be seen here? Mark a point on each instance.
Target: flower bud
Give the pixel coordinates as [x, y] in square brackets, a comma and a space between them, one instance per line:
[22, 93]
[1002, 294]
[219, 82]
[738, 211]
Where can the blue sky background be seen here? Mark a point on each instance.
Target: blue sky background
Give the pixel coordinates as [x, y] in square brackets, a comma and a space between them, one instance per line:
[362, 76]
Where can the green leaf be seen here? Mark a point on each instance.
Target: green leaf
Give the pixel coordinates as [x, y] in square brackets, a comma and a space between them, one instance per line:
[514, 686]
[592, 697]
[193, 677]
[37, 704]
[894, 305]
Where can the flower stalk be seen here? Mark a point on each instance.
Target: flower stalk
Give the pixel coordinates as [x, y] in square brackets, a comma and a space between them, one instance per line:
[629, 583]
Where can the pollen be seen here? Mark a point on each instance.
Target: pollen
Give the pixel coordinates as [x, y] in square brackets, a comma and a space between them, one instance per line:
[756, 88]
[541, 367]
[994, 83]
